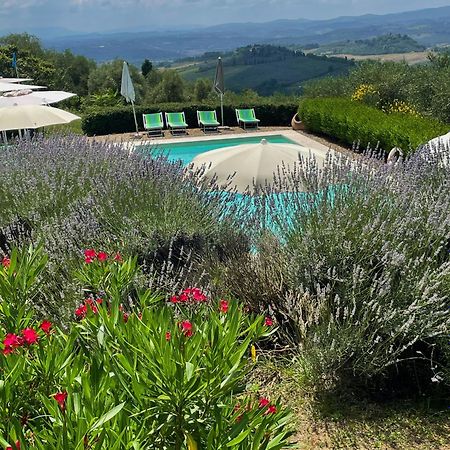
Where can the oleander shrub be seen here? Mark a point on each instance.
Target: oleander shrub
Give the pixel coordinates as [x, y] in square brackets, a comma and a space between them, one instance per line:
[102, 121]
[155, 374]
[349, 122]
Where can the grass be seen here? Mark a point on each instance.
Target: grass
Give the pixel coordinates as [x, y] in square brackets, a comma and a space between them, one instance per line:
[339, 421]
[72, 128]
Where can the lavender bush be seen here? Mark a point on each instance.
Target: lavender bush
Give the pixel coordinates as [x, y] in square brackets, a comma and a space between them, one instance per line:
[72, 193]
[359, 275]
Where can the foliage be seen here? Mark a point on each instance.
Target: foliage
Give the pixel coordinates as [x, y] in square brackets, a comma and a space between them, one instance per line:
[146, 67]
[120, 120]
[351, 122]
[358, 274]
[160, 375]
[424, 86]
[69, 193]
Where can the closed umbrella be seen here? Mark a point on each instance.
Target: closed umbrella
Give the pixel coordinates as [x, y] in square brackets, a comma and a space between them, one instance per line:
[219, 85]
[33, 116]
[35, 98]
[252, 165]
[127, 90]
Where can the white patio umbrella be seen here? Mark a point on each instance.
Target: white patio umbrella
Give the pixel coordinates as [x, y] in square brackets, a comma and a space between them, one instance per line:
[35, 98]
[14, 80]
[6, 87]
[127, 90]
[252, 165]
[33, 116]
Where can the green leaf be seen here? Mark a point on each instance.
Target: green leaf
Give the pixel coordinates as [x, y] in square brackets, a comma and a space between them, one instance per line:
[108, 416]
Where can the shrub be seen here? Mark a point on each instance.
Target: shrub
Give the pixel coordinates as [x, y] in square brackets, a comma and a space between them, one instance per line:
[120, 120]
[359, 276]
[350, 122]
[157, 375]
[69, 193]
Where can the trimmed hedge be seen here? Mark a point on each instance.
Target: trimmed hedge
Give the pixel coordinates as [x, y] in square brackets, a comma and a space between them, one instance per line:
[120, 119]
[350, 121]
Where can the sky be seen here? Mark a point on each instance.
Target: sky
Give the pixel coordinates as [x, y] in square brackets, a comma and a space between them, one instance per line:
[145, 15]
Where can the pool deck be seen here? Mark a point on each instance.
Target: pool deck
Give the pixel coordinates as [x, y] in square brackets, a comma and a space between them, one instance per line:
[321, 145]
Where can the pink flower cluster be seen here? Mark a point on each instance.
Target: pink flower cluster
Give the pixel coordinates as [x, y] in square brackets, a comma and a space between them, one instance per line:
[193, 295]
[28, 337]
[263, 403]
[90, 255]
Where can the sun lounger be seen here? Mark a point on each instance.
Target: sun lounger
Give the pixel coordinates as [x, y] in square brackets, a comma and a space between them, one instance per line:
[176, 122]
[154, 123]
[246, 117]
[207, 120]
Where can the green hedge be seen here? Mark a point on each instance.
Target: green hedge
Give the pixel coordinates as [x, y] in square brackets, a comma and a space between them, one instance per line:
[350, 122]
[120, 119]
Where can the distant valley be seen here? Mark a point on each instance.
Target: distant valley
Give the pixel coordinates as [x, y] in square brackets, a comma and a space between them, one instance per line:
[427, 27]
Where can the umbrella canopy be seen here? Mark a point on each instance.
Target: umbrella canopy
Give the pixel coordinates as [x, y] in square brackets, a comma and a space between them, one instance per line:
[127, 88]
[6, 87]
[35, 98]
[14, 80]
[219, 83]
[32, 116]
[252, 165]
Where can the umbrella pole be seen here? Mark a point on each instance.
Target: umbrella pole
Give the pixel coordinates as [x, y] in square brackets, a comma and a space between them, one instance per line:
[221, 108]
[135, 120]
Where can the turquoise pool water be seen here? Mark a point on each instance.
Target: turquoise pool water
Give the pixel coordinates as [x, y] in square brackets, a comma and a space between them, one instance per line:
[187, 151]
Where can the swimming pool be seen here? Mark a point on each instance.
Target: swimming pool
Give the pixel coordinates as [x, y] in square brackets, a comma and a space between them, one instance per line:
[187, 151]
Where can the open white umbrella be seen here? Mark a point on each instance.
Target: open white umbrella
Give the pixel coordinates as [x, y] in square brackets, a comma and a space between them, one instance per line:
[14, 80]
[127, 90]
[33, 116]
[6, 87]
[35, 98]
[252, 165]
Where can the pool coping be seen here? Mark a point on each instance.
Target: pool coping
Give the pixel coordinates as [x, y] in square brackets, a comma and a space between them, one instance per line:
[295, 136]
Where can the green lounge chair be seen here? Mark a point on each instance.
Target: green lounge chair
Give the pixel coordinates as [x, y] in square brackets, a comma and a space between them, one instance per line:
[207, 120]
[176, 122]
[246, 117]
[154, 123]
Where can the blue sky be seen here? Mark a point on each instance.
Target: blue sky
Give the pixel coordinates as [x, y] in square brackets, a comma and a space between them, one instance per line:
[111, 15]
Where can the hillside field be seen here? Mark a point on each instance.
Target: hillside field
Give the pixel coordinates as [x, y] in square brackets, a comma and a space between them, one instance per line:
[265, 69]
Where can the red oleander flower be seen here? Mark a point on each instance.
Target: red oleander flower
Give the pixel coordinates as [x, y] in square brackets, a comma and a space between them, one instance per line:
[99, 300]
[118, 257]
[12, 340]
[89, 302]
[88, 260]
[81, 311]
[90, 253]
[223, 306]
[186, 328]
[102, 256]
[46, 326]
[268, 322]
[61, 397]
[16, 446]
[168, 335]
[183, 298]
[174, 299]
[126, 316]
[7, 350]
[263, 402]
[30, 336]
[272, 409]
[6, 262]
[198, 295]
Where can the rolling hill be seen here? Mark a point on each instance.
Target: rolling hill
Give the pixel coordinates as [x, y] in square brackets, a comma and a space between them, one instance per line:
[381, 45]
[428, 27]
[264, 68]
